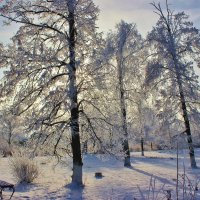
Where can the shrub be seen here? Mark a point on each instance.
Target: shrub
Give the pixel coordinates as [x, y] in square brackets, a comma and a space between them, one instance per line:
[5, 149]
[24, 169]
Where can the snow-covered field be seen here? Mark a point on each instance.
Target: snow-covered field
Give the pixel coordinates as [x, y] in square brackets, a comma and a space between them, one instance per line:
[118, 183]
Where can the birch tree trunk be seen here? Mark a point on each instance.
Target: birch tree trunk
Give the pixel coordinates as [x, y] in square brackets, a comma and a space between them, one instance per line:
[125, 143]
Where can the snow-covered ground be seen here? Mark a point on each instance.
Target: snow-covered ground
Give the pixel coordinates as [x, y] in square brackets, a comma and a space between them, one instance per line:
[118, 183]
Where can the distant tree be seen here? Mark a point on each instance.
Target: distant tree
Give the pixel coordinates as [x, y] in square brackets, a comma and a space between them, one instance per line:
[171, 44]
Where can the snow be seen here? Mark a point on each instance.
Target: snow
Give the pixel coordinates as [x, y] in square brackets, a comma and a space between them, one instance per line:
[117, 182]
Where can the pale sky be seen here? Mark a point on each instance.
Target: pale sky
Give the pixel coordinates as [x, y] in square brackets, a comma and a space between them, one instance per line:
[141, 12]
[137, 11]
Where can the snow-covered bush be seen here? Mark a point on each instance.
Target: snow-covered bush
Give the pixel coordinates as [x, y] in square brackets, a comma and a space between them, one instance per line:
[5, 149]
[24, 169]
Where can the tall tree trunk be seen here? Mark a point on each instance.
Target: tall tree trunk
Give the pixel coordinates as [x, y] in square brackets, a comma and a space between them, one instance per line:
[183, 104]
[127, 162]
[182, 99]
[187, 125]
[73, 93]
[9, 134]
[185, 116]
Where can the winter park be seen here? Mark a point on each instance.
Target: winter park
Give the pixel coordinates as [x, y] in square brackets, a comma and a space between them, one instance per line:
[99, 100]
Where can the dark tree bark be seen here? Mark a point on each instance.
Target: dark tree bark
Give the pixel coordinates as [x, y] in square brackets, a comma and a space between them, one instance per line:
[187, 125]
[182, 100]
[73, 93]
[142, 146]
[9, 133]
